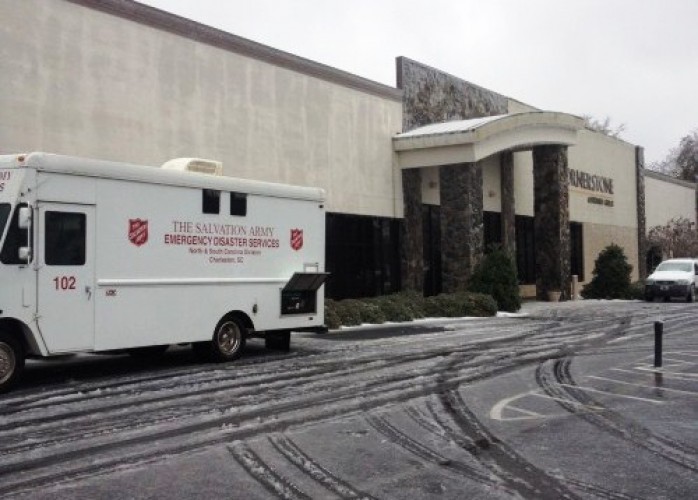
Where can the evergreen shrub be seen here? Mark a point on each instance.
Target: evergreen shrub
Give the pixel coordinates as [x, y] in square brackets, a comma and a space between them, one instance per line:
[453, 305]
[611, 276]
[393, 307]
[406, 306]
[495, 275]
[332, 320]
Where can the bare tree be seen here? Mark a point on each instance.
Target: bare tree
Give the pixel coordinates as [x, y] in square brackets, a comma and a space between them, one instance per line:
[604, 126]
[678, 238]
[687, 157]
[682, 161]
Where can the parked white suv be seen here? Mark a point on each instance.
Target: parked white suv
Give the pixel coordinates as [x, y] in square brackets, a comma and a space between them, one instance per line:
[673, 278]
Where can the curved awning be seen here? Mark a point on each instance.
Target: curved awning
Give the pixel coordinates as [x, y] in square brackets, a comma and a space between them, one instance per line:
[467, 141]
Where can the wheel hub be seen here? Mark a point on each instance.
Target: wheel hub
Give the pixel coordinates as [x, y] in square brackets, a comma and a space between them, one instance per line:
[229, 338]
[7, 362]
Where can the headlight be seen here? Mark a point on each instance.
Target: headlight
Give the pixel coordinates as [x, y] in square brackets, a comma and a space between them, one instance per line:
[684, 282]
[649, 282]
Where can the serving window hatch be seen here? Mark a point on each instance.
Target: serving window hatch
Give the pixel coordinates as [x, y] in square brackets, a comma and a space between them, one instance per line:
[299, 296]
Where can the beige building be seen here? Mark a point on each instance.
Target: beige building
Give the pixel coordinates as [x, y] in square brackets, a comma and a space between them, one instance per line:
[409, 206]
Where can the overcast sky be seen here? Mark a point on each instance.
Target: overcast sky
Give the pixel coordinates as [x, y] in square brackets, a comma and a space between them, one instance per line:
[635, 61]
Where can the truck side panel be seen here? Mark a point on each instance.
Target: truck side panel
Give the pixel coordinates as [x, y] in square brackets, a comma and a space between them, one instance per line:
[167, 271]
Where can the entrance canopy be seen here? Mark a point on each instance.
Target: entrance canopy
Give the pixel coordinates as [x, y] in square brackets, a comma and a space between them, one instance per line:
[468, 141]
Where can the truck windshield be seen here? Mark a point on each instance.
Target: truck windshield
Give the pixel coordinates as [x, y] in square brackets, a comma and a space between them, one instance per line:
[4, 214]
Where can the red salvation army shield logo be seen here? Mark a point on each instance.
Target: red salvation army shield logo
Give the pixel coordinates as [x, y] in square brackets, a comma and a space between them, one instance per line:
[296, 239]
[137, 231]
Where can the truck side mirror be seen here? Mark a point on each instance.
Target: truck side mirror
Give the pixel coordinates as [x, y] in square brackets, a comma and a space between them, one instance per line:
[25, 217]
[25, 254]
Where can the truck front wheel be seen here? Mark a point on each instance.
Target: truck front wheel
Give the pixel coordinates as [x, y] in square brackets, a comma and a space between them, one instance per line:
[11, 361]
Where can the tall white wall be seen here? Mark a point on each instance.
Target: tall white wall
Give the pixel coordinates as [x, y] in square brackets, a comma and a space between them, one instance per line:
[83, 82]
[667, 198]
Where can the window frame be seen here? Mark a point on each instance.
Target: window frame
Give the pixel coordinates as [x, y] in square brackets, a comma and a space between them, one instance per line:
[59, 241]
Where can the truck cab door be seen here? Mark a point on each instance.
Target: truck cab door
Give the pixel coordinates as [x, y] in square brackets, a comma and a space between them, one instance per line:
[66, 271]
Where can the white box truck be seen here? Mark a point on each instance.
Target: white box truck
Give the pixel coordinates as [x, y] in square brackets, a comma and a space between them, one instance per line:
[98, 256]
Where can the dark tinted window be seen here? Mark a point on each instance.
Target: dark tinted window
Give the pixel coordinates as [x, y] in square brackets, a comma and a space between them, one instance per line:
[492, 230]
[211, 201]
[238, 204]
[65, 239]
[525, 250]
[363, 256]
[15, 239]
[431, 239]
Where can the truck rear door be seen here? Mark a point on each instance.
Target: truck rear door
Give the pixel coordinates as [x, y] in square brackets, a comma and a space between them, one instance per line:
[65, 301]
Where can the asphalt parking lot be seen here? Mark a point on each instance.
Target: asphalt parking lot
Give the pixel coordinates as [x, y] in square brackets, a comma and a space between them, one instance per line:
[562, 401]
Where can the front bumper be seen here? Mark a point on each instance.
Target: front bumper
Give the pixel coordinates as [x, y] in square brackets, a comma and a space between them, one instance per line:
[667, 290]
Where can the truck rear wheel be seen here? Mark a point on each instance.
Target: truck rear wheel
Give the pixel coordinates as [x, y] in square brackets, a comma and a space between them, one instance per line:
[11, 361]
[228, 342]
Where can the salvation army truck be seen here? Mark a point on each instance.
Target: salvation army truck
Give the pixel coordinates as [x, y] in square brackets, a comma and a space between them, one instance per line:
[98, 256]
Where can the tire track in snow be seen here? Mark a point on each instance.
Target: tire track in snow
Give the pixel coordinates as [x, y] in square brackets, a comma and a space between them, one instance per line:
[267, 477]
[383, 426]
[517, 473]
[465, 362]
[568, 397]
[291, 452]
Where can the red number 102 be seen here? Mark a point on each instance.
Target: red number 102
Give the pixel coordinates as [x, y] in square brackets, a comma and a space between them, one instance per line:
[64, 282]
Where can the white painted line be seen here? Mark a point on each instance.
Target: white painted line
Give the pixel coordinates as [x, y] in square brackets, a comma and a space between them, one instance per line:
[566, 400]
[682, 353]
[679, 361]
[667, 375]
[497, 411]
[645, 386]
[590, 389]
[653, 369]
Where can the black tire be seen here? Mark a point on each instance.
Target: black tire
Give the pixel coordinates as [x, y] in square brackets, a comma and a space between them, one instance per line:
[11, 361]
[691, 294]
[278, 341]
[228, 341]
[649, 298]
[148, 353]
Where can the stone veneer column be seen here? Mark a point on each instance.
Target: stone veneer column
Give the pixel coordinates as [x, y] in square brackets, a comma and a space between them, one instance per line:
[506, 163]
[412, 258]
[461, 223]
[552, 220]
[641, 218]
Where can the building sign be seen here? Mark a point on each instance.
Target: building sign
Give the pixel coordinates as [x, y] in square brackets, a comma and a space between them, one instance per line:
[592, 182]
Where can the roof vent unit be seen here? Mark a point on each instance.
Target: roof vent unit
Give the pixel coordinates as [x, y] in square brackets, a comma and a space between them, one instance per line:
[198, 165]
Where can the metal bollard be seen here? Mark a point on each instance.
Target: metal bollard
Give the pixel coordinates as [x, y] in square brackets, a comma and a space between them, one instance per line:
[658, 333]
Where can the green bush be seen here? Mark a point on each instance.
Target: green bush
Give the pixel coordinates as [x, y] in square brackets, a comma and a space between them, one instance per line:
[611, 276]
[637, 290]
[481, 304]
[414, 301]
[371, 312]
[495, 275]
[349, 312]
[332, 320]
[406, 306]
[460, 304]
[393, 307]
